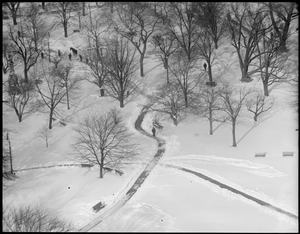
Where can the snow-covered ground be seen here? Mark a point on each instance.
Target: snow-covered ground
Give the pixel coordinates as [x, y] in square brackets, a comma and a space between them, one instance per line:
[169, 199]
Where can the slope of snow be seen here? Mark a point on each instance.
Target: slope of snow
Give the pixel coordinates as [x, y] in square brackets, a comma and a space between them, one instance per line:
[169, 200]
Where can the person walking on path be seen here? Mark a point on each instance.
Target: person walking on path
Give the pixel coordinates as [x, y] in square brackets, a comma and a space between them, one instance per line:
[153, 131]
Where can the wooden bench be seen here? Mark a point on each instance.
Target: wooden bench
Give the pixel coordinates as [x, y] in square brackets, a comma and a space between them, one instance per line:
[76, 30]
[261, 154]
[98, 206]
[287, 153]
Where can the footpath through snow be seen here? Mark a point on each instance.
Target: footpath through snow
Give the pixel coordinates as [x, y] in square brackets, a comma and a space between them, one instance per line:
[139, 181]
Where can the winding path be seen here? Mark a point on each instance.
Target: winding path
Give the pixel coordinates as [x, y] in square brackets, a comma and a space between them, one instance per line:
[138, 182]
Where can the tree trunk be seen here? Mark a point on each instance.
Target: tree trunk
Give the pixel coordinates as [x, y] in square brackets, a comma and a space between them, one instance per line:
[121, 101]
[46, 143]
[186, 100]
[174, 120]
[168, 76]
[216, 43]
[142, 65]
[210, 123]
[67, 96]
[209, 71]
[50, 117]
[101, 165]
[266, 90]
[111, 7]
[20, 118]
[83, 8]
[66, 29]
[43, 5]
[233, 133]
[245, 75]
[14, 16]
[25, 73]
[255, 117]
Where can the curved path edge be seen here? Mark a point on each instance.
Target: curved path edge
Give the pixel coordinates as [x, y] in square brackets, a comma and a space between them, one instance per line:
[224, 186]
[138, 182]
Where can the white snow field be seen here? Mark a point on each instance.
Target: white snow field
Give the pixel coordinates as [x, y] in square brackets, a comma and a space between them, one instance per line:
[170, 199]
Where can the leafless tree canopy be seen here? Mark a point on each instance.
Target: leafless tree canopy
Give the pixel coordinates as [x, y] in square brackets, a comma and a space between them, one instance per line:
[24, 46]
[259, 104]
[32, 219]
[233, 101]
[184, 73]
[104, 140]
[13, 7]
[246, 28]
[121, 67]
[19, 95]
[168, 100]
[138, 24]
[55, 85]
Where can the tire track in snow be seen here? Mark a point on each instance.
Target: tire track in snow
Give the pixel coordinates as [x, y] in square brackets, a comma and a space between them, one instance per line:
[138, 182]
[224, 186]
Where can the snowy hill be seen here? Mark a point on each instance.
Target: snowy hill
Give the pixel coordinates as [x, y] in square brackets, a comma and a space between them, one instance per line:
[169, 199]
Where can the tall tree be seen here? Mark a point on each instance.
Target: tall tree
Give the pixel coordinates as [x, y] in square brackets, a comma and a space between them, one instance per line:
[233, 101]
[35, 26]
[138, 24]
[282, 14]
[99, 69]
[182, 24]
[120, 83]
[164, 47]
[246, 27]
[24, 47]
[207, 52]
[270, 64]
[168, 100]
[19, 95]
[211, 17]
[53, 89]
[63, 13]
[13, 7]
[207, 104]
[184, 72]
[104, 140]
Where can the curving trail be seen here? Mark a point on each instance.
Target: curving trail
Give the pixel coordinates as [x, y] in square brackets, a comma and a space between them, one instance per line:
[224, 186]
[138, 182]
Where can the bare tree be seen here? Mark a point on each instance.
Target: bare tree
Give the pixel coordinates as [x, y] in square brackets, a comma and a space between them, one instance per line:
[7, 167]
[64, 72]
[233, 100]
[259, 104]
[96, 26]
[282, 14]
[7, 54]
[104, 140]
[139, 22]
[168, 100]
[53, 88]
[270, 64]
[13, 7]
[44, 133]
[24, 47]
[63, 13]
[182, 24]
[206, 51]
[164, 47]
[99, 70]
[35, 25]
[208, 105]
[211, 17]
[32, 219]
[121, 66]
[20, 95]
[246, 27]
[184, 71]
